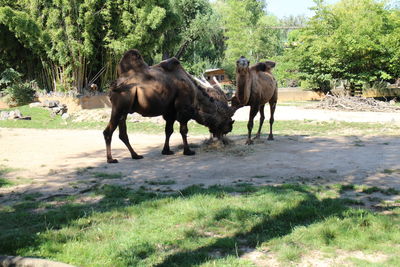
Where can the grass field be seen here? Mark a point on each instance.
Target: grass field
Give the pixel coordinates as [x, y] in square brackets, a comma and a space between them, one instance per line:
[41, 120]
[200, 227]
[217, 226]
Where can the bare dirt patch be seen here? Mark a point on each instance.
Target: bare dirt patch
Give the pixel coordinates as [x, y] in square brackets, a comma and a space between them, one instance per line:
[62, 162]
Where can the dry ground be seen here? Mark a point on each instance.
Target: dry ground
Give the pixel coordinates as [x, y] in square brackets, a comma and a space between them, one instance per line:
[66, 162]
[55, 162]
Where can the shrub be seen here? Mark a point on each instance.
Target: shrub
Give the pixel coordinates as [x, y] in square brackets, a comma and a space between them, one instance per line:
[16, 91]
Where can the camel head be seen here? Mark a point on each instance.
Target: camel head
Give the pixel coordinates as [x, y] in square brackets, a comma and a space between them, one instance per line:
[242, 65]
[220, 126]
[218, 114]
[223, 122]
[269, 65]
[131, 62]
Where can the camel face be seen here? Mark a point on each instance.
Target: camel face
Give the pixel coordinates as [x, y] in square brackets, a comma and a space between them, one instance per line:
[228, 126]
[222, 128]
[242, 65]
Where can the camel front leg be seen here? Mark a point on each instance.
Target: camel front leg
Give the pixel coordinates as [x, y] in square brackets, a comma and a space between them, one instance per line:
[262, 117]
[184, 131]
[253, 113]
[123, 135]
[108, 132]
[169, 129]
[272, 107]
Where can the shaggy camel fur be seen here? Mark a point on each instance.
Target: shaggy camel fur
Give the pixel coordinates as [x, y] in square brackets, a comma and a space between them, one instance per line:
[256, 86]
[165, 89]
[215, 91]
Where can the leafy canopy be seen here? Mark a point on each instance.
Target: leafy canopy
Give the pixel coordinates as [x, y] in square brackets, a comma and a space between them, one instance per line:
[353, 40]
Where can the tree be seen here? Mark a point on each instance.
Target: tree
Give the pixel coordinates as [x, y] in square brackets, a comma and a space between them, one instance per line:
[249, 32]
[190, 23]
[74, 40]
[353, 40]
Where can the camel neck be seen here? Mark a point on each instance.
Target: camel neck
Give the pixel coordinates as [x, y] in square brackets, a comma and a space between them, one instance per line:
[241, 80]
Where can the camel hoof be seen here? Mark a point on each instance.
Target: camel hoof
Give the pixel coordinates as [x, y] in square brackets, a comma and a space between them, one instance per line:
[167, 152]
[112, 161]
[249, 142]
[137, 156]
[270, 138]
[188, 153]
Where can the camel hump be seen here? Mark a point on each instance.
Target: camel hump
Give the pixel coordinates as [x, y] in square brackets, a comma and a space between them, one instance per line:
[260, 67]
[265, 66]
[170, 64]
[131, 60]
[270, 64]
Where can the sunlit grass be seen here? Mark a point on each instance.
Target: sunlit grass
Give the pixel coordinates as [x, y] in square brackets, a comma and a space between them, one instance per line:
[41, 119]
[196, 227]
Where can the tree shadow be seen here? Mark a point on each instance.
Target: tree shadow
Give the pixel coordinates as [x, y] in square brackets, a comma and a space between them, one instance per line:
[21, 226]
[21, 223]
[309, 211]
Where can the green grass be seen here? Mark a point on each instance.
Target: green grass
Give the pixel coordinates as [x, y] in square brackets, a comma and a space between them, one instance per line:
[390, 171]
[42, 120]
[191, 227]
[374, 189]
[104, 175]
[4, 182]
[161, 182]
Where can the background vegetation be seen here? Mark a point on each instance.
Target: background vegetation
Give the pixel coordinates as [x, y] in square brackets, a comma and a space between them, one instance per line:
[67, 45]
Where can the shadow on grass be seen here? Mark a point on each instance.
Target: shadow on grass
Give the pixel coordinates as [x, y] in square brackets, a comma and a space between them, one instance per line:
[308, 211]
[21, 225]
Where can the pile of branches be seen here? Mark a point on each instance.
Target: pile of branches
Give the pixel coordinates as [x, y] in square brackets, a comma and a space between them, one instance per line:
[356, 103]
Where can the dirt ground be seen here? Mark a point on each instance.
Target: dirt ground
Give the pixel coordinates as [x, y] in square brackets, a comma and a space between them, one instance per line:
[62, 162]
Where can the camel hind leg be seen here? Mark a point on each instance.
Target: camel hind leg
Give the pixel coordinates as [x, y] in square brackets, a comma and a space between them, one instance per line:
[123, 135]
[262, 117]
[184, 130]
[253, 113]
[169, 129]
[108, 132]
[272, 107]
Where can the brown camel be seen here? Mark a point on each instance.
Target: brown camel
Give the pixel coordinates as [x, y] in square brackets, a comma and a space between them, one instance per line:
[215, 91]
[256, 86]
[165, 89]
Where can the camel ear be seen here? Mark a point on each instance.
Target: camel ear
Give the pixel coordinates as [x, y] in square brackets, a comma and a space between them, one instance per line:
[170, 64]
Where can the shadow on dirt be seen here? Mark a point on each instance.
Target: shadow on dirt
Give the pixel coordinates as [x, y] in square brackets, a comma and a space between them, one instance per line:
[289, 159]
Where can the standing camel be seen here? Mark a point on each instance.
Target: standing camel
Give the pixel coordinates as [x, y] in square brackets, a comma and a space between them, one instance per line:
[256, 86]
[164, 89]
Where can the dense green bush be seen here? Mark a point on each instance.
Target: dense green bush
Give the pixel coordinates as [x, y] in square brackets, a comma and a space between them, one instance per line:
[353, 40]
[15, 90]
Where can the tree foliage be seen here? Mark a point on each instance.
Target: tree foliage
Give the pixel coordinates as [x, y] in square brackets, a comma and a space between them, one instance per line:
[16, 91]
[66, 45]
[70, 42]
[353, 40]
[249, 31]
[74, 39]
